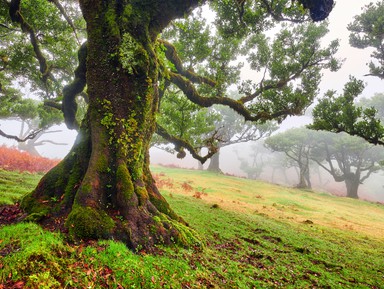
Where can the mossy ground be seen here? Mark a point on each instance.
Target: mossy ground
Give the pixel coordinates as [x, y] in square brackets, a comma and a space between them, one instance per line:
[283, 244]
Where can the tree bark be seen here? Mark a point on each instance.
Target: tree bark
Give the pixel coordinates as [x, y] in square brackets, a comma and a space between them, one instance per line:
[214, 165]
[104, 188]
[352, 184]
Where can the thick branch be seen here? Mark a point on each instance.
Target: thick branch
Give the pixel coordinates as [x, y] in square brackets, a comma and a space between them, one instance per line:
[179, 143]
[172, 56]
[66, 17]
[53, 104]
[190, 91]
[16, 16]
[379, 75]
[71, 90]
[169, 10]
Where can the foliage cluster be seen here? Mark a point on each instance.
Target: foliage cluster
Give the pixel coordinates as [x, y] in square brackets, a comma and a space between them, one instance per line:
[14, 160]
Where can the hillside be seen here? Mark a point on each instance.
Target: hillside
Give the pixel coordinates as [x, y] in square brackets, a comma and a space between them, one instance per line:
[256, 235]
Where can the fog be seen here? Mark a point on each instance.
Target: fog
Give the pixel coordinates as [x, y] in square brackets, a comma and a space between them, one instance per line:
[355, 64]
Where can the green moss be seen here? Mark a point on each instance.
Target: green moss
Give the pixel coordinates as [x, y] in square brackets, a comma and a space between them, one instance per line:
[89, 223]
[74, 179]
[124, 183]
[133, 57]
[142, 194]
[186, 236]
[35, 209]
[110, 19]
[162, 205]
[127, 14]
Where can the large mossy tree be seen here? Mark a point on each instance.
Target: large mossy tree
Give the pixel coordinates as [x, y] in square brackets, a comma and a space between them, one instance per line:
[104, 188]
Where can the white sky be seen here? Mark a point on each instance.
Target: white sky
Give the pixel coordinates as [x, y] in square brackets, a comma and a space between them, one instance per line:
[355, 65]
[356, 59]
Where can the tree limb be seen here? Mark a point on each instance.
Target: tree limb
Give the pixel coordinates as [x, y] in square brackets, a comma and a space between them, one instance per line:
[281, 83]
[16, 16]
[179, 143]
[28, 137]
[172, 56]
[43, 142]
[190, 91]
[53, 104]
[67, 18]
[70, 91]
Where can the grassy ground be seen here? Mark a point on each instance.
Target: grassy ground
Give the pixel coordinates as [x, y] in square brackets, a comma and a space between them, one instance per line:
[256, 235]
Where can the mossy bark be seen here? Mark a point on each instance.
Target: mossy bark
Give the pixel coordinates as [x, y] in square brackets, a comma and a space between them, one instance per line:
[104, 188]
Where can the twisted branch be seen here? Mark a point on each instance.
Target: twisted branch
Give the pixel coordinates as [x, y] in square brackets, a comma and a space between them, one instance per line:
[192, 94]
[66, 17]
[179, 144]
[70, 91]
[172, 56]
[16, 16]
[32, 135]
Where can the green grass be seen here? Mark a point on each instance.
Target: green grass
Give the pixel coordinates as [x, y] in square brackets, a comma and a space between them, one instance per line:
[13, 185]
[257, 236]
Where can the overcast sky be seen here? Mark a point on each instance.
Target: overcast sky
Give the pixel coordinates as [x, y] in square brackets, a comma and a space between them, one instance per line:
[355, 65]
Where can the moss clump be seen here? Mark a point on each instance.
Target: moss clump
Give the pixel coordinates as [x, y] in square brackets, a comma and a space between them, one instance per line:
[110, 18]
[133, 57]
[161, 204]
[124, 184]
[185, 235]
[35, 209]
[88, 223]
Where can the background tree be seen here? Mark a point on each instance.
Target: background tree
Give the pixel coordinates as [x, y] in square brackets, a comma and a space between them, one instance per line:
[296, 144]
[104, 187]
[367, 31]
[254, 163]
[348, 159]
[376, 101]
[341, 113]
[231, 129]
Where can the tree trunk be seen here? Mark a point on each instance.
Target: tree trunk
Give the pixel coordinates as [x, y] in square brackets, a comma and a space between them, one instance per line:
[214, 165]
[304, 178]
[352, 183]
[104, 188]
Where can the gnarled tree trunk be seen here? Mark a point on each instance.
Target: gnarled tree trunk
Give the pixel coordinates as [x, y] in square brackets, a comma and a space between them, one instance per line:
[104, 187]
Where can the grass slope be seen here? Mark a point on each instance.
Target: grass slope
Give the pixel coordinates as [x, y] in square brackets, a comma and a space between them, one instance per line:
[256, 235]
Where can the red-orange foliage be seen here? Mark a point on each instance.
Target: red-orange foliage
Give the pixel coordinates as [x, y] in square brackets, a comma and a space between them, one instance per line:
[12, 159]
[161, 182]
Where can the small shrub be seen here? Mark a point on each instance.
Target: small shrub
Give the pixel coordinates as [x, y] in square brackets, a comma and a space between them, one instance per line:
[199, 194]
[12, 159]
[186, 187]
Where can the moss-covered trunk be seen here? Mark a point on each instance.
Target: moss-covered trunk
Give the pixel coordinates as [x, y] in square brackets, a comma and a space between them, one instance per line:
[104, 187]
